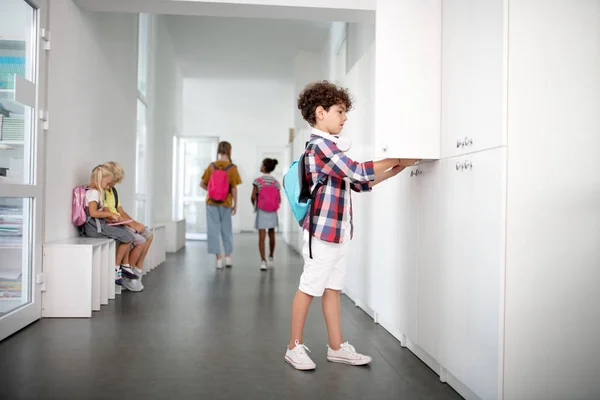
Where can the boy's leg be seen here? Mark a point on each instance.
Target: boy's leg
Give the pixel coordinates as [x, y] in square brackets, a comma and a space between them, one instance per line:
[333, 318]
[300, 308]
[262, 234]
[271, 242]
[147, 245]
[331, 297]
[213, 230]
[136, 252]
[313, 281]
[139, 243]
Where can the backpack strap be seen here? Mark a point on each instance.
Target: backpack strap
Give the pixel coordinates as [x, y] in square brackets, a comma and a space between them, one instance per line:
[116, 194]
[227, 168]
[311, 224]
[313, 195]
[214, 166]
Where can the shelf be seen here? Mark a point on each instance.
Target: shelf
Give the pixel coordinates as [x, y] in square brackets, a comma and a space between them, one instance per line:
[12, 142]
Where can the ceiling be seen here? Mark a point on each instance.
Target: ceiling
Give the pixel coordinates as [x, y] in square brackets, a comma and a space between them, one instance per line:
[217, 47]
[313, 10]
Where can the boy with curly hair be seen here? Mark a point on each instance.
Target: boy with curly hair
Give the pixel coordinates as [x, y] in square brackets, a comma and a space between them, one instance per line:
[324, 106]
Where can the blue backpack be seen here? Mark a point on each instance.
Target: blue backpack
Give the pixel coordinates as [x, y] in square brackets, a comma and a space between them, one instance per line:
[297, 191]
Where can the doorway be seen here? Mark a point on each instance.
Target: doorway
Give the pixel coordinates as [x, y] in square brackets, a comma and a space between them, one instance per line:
[195, 155]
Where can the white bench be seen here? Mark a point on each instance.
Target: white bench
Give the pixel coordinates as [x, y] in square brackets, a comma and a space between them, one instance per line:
[80, 273]
[80, 277]
[157, 253]
[174, 235]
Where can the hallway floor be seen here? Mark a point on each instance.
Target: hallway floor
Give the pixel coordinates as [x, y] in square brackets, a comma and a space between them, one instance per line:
[200, 333]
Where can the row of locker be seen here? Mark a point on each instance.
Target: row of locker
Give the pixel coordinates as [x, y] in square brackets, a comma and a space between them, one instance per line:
[446, 289]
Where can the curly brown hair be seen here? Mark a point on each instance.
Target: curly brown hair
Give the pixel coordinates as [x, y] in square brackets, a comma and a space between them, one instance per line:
[324, 94]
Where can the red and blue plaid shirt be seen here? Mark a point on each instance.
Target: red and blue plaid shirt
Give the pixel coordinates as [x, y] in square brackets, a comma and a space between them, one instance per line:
[333, 202]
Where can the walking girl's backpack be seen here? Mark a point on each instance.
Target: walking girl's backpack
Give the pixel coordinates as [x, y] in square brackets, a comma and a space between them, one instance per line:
[268, 197]
[218, 184]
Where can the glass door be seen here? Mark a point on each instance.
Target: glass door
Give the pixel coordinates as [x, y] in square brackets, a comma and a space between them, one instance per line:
[195, 154]
[22, 97]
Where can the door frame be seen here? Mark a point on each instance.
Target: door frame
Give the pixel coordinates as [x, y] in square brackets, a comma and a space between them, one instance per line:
[33, 237]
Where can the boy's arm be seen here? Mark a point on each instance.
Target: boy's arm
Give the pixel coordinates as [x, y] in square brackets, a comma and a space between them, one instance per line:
[203, 185]
[385, 175]
[137, 226]
[95, 213]
[254, 192]
[383, 172]
[334, 162]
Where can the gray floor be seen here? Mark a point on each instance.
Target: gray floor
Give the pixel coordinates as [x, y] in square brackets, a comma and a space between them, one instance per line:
[199, 333]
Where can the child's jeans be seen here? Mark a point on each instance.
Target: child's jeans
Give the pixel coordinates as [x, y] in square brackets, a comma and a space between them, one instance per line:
[219, 226]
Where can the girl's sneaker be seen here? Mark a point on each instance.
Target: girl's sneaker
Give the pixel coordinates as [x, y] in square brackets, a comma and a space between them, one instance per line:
[138, 271]
[270, 261]
[347, 355]
[298, 358]
[263, 266]
[118, 278]
[228, 263]
[220, 263]
[128, 272]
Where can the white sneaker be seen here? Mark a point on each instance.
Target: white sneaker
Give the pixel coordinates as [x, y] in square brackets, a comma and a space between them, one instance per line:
[138, 271]
[347, 355]
[270, 261]
[220, 263]
[134, 285]
[298, 358]
[263, 265]
[228, 263]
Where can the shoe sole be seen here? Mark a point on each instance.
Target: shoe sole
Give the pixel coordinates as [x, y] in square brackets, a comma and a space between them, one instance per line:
[299, 367]
[349, 362]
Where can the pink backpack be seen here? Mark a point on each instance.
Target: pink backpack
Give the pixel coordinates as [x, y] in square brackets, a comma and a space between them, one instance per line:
[78, 214]
[218, 185]
[268, 197]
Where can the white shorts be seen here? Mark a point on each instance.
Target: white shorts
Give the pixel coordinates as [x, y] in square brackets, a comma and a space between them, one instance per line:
[327, 268]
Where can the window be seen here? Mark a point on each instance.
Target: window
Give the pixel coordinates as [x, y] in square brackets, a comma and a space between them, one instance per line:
[141, 143]
[143, 45]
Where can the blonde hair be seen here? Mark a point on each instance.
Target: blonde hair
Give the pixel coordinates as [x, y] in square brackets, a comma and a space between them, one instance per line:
[116, 169]
[99, 173]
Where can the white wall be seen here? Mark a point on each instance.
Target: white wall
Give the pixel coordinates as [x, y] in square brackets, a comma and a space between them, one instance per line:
[247, 112]
[166, 94]
[92, 105]
[240, 76]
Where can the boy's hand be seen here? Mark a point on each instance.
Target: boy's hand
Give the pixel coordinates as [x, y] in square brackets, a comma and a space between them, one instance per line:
[407, 162]
[396, 169]
[234, 210]
[139, 228]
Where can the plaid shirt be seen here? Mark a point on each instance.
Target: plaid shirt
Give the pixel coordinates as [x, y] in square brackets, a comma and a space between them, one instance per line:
[333, 203]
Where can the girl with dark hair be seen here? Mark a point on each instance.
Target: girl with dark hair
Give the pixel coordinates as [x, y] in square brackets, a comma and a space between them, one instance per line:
[266, 199]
